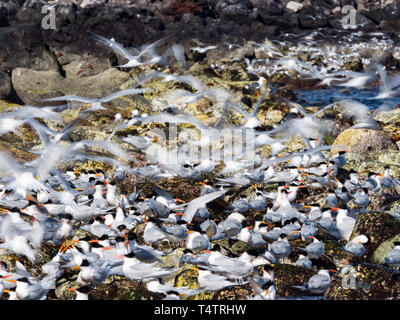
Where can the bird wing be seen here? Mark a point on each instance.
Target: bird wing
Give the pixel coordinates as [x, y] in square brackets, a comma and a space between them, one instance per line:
[71, 98]
[114, 45]
[199, 202]
[125, 92]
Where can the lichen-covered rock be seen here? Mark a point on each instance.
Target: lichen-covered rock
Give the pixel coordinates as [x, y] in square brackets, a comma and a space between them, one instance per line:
[385, 117]
[383, 249]
[379, 226]
[372, 282]
[363, 141]
[229, 293]
[120, 288]
[32, 86]
[187, 278]
[287, 275]
[235, 247]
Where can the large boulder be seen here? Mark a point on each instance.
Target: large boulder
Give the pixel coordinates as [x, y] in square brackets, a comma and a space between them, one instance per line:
[32, 86]
[363, 141]
[21, 46]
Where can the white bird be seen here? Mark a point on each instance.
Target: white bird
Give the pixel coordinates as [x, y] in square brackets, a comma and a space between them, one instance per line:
[97, 103]
[203, 49]
[318, 283]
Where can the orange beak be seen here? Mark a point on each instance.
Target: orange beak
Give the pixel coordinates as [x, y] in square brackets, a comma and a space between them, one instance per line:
[13, 281]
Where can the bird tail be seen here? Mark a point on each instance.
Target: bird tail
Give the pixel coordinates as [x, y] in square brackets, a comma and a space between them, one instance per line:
[300, 287]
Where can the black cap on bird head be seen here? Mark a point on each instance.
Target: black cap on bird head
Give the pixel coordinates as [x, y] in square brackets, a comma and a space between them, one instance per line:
[100, 219]
[130, 255]
[84, 289]
[187, 251]
[24, 279]
[84, 263]
[119, 239]
[68, 216]
[396, 243]
[121, 227]
[216, 247]
[342, 152]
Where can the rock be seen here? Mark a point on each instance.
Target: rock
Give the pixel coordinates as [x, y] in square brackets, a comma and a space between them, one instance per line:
[26, 51]
[32, 86]
[294, 6]
[235, 247]
[229, 293]
[385, 117]
[371, 283]
[268, 7]
[123, 289]
[5, 85]
[379, 226]
[312, 22]
[363, 141]
[383, 249]
[390, 25]
[187, 278]
[240, 12]
[287, 275]
[3, 17]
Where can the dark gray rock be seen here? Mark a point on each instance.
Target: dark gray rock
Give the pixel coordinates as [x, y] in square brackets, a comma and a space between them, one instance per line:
[3, 17]
[5, 85]
[312, 22]
[268, 7]
[21, 46]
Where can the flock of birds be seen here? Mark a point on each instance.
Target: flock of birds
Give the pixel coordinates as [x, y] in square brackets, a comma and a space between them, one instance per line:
[42, 203]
